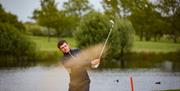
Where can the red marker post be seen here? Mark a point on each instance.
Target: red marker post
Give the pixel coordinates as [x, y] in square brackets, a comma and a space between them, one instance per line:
[131, 83]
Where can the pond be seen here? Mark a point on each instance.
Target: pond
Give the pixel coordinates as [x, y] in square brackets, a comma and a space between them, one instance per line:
[57, 79]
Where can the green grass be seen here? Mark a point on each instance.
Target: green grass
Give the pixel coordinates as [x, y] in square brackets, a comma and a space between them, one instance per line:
[151, 46]
[139, 46]
[43, 44]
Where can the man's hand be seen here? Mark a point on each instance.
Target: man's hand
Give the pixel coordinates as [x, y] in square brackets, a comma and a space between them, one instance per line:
[95, 63]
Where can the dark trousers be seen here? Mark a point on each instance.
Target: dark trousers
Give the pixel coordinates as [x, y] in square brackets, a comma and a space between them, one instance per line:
[79, 87]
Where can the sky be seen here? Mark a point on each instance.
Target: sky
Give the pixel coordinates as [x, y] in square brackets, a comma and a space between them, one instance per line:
[24, 8]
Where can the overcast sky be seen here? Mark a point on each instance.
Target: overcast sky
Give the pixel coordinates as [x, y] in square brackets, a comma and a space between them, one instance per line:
[24, 8]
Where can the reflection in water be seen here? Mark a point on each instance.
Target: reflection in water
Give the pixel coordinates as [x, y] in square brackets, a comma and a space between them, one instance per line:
[57, 78]
[34, 79]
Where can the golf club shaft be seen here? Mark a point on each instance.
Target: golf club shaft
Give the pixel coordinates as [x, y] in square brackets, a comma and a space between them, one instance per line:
[105, 44]
[106, 41]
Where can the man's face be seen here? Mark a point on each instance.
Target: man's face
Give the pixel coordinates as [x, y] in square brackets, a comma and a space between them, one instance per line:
[65, 48]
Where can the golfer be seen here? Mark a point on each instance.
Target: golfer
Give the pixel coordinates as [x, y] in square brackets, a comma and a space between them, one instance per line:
[79, 78]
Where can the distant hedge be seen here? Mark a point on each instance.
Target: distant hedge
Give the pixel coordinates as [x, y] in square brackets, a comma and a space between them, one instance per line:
[14, 46]
[36, 30]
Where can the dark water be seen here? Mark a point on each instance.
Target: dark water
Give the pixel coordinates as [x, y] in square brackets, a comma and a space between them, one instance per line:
[57, 79]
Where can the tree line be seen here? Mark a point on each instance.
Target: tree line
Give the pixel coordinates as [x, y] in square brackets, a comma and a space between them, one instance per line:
[15, 48]
[151, 19]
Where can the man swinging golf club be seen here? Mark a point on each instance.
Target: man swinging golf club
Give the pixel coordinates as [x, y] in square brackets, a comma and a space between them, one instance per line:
[79, 79]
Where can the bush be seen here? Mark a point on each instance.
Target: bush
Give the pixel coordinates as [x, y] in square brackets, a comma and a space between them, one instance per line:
[37, 30]
[95, 27]
[121, 40]
[14, 46]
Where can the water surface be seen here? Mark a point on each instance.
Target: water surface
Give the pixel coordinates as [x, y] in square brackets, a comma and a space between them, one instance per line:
[57, 79]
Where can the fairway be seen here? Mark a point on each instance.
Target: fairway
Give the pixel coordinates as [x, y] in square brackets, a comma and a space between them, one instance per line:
[138, 46]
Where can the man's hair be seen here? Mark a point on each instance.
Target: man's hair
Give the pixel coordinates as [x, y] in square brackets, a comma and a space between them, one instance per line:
[61, 42]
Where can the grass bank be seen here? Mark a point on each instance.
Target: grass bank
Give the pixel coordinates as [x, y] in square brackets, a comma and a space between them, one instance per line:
[151, 46]
[138, 46]
[145, 54]
[43, 44]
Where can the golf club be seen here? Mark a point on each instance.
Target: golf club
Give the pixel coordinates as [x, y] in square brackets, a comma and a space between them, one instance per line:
[111, 21]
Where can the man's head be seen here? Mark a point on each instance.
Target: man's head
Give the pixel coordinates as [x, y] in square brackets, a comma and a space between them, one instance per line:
[63, 46]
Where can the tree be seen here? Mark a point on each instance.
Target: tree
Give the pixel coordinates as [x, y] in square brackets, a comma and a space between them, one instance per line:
[123, 36]
[52, 18]
[158, 26]
[48, 15]
[66, 24]
[171, 9]
[77, 7]
[111, 7]
[146, 20]
[92, 24]
[136, 10]
[94, 29]
[142, 18]
[15, 47]
[120, 8]
[13, 42]
[177, 20]
[10, 19]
